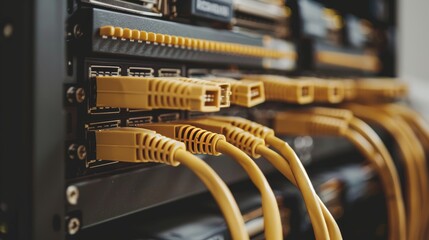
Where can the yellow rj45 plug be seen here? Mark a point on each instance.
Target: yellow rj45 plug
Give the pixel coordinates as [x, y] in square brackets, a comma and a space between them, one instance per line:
[156, 93]
[225, 88]
[327, 90]
[246, 93]
[278, 88]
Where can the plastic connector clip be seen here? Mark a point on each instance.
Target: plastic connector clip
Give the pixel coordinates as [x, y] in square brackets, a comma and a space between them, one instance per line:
[328, 91]
[246, 93]
[156, 93]
[278, 88]
[225, 88]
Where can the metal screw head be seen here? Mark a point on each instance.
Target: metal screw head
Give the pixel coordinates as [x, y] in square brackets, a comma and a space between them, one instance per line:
[81, 152]
[72, 194]
[72, 151]
[73, 226]
[71, 91]
[80, 95]
[77, 31]
[78, 151]
[75, 95]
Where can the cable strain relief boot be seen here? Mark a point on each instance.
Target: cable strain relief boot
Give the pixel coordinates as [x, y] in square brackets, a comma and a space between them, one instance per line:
[243, 140]
[197, 140]
[136, 145]
[254, 128]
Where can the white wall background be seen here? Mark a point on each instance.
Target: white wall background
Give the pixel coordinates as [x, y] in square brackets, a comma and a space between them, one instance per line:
[413, 50]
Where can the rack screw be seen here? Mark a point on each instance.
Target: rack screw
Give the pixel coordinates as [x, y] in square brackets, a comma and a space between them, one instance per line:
[81, 152]
[78, 151]
[72, 194]
[76, 95]
[7, 30]
[73, 226]
[77, 31]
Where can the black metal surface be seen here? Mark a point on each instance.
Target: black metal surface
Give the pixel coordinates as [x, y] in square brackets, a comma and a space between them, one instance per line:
[48, 120]
[15, 151]
[110, 197]
[31, 163]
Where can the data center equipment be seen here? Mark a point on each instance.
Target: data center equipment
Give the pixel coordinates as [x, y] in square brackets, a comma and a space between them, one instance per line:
[207, 119]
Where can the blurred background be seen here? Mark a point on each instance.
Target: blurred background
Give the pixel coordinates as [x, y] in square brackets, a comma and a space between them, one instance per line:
[413, 50]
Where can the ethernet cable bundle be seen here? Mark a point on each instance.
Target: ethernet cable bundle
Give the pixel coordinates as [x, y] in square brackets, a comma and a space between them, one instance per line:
[174, 143]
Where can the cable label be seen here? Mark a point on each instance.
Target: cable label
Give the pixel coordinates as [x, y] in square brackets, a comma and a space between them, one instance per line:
[219, 10]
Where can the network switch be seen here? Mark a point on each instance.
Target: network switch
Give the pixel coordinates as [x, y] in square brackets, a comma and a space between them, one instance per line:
[261, 16]
[216, 13]
[144, 7]
[136, 36]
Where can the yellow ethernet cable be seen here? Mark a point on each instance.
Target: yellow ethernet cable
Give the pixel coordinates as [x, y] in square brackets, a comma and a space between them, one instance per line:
[264, 132]
[386, 169]
[199, 141]
[409, 148]
[255, 147]
[225, 88]
[388, 174]
[142, 145]
[156, 93]
[421, 130]
[405, 121]
[278, 88]
[314, 124]
[415, 121]
[380, 89]
[246, 93]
